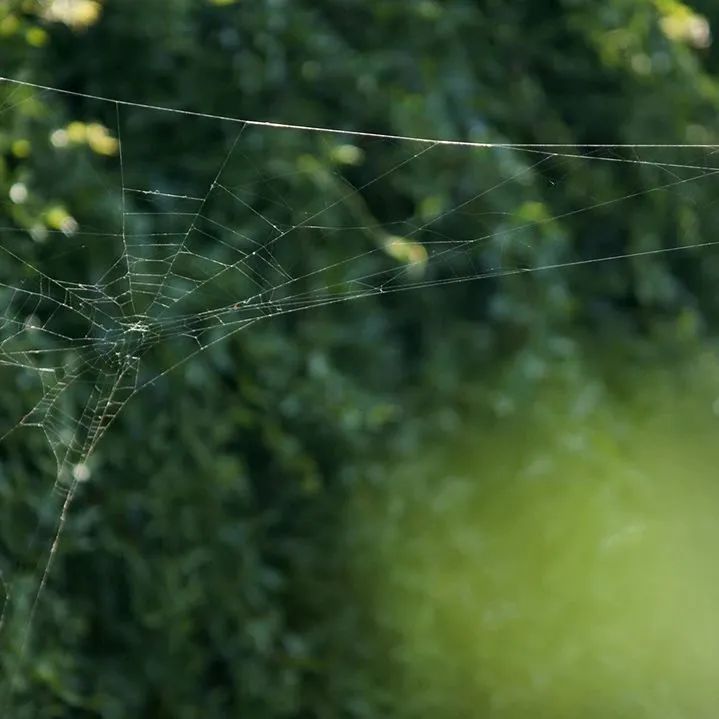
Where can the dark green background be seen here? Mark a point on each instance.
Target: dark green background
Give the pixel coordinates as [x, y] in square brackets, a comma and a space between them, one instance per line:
[211, 568]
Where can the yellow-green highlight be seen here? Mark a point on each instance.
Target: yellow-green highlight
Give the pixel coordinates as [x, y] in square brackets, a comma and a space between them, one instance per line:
[562, 563]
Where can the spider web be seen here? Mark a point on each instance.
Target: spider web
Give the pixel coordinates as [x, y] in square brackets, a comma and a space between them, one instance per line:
[194, 258]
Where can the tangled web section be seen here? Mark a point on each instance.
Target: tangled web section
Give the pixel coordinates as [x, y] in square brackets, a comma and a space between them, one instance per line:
[222, 223]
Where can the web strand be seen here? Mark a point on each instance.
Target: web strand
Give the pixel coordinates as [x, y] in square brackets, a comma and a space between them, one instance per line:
[352, 133]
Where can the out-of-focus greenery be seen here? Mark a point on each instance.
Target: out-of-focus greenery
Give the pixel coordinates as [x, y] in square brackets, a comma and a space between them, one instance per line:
[443, 502]
[554, 573]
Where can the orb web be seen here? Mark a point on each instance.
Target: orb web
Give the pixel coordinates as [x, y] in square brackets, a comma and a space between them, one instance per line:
[256, 220]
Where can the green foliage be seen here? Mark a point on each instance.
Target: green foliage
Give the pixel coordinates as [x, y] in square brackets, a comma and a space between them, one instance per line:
[207, 567]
